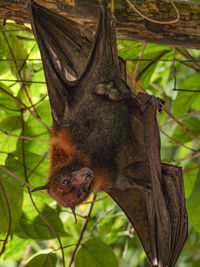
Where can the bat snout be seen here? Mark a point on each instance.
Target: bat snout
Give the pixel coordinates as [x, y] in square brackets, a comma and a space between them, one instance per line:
[83, 176]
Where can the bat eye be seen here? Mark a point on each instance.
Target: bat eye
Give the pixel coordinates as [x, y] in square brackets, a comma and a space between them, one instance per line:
[66, 182]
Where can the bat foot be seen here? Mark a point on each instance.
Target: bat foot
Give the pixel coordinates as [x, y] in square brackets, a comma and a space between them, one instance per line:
[108, 90]
[158, 103]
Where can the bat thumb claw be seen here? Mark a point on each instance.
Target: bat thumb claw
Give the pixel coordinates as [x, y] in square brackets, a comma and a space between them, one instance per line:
[43, 187]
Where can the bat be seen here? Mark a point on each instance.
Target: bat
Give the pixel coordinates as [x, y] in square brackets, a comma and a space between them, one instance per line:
[105, 138]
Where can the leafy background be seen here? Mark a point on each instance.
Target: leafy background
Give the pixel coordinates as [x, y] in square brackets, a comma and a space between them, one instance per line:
[34, 230]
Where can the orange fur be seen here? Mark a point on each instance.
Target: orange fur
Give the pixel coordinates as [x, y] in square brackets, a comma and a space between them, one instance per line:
[101, 180]
[63, 151]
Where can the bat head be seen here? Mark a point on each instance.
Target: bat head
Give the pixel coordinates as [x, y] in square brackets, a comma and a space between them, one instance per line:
[69, 187]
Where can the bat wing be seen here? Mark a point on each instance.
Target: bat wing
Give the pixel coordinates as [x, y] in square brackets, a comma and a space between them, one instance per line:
[153, 199]
[173, 191]
[69, 54]
[64, 52]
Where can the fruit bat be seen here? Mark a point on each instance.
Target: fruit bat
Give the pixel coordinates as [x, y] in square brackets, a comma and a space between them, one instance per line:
[105, 138]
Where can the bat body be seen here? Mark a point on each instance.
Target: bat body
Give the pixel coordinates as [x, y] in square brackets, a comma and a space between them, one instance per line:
[105, 138]
[95, 122]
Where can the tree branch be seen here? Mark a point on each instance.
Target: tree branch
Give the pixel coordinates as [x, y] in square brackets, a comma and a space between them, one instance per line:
[130, 25]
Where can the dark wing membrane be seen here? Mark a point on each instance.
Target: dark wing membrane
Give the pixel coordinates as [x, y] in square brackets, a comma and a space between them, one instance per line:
[143, 201]
[64, 52]
[135, 204]
[104, 51]
[173, 190]
[154, 212]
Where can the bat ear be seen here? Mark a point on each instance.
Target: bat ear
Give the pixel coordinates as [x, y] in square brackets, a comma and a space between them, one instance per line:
[43, 187]
[74, 213]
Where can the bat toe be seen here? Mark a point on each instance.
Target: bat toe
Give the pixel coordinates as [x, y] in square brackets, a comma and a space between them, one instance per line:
[109, 90]
[114, 94]
[101, 89]
[158, 103]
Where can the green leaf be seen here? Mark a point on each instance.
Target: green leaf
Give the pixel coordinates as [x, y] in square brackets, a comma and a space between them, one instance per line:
[193, 124]
[34, 227]
[43, 260]
[34, 128]
[95, 253]
[14, 193]
[16, 50]
[184, 100]
[190, 179]
[11, 125]
[6, 101]
[36, 166]
[193, 205]
[15, 248]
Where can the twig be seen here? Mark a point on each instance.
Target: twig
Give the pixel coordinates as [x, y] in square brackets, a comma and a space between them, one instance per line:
[21, 180]
[153, 20]
[26, 256]
[19, 71]
[19, 110]
[33, 202]
[22, 28]
[23, 137]
[173, 68]
[102, 217]
[82, 233]
[180, 118]
[120, 51]
[186, 90]
[163, 53]
[9, 219]
[32, 113]
[189, 157]
[191, 169]
[137, 67]
[9, 30]
[20, 81]
[187, 55]
[130, 78]
[20, 59]
[160, 60]
[192, 136]
[177, 142]
[94, 201]
[130, 48]
[37, 165]
[50, 227]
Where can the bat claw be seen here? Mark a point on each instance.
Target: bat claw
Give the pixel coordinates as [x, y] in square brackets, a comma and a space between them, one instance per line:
[108, 90]
[101, 89]
[158, 103]
[114, 94]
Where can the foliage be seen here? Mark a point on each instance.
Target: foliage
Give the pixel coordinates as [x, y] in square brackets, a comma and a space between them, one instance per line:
[32, 225]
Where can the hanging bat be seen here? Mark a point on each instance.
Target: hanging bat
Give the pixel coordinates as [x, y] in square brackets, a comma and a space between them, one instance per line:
[105, 138]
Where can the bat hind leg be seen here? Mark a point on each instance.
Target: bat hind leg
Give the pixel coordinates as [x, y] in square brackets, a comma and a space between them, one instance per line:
[112, 92]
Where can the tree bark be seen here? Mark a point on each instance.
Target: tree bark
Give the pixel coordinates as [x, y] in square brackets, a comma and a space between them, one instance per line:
[130, 25]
